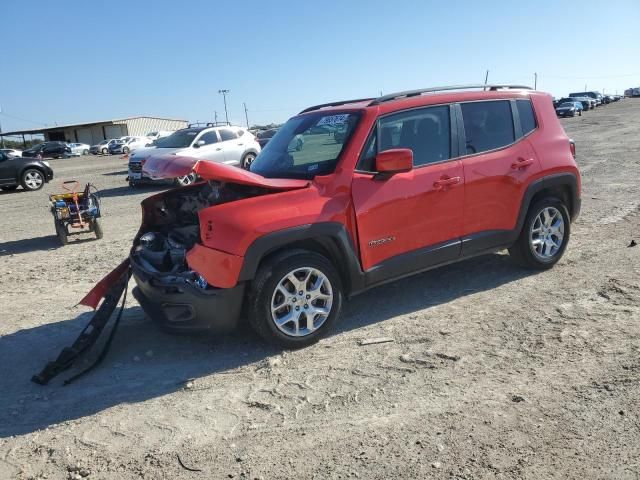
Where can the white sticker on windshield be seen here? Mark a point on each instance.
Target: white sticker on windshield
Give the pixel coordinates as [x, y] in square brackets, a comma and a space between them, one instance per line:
[312, 167]
[333, 119]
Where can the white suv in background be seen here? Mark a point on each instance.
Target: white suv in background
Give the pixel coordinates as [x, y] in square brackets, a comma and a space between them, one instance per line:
[228, 144]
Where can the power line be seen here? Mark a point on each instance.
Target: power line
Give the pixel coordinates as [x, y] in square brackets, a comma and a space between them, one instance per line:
[22, 119]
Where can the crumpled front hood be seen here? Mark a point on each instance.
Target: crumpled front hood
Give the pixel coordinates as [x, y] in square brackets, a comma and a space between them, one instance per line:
[172, 166]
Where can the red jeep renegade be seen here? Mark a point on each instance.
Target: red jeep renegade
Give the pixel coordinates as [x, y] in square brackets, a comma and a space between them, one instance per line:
[350, 195]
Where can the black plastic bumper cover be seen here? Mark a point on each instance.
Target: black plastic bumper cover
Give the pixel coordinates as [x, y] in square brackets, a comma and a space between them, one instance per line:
[183, 308]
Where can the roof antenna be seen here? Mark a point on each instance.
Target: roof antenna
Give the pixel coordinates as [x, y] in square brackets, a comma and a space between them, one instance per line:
[486, 78]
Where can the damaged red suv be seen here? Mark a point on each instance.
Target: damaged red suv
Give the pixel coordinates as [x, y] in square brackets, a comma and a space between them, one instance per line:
[350, 195]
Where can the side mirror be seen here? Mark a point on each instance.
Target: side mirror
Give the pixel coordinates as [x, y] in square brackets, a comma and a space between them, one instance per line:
[198, 144]
[396, 160]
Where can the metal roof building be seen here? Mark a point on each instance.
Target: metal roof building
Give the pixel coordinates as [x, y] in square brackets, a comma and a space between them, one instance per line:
[94, 132]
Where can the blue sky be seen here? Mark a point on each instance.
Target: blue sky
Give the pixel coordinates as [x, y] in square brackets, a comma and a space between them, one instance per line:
[73, 61]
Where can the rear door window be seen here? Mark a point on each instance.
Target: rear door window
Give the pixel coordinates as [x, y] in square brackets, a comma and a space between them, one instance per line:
[527, 117]
[487, 125]
[226, 134]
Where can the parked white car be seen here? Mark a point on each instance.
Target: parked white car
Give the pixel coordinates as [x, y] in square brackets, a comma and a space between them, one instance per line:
[135, 143]
[232, 145]
[78, 149]
[11, 152]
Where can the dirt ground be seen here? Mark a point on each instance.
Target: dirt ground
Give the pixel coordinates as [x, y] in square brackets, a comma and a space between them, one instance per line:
[494, 371]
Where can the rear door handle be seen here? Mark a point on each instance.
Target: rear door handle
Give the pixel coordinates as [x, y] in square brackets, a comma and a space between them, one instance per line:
[218, 149]
[522, 163]
[446, 182]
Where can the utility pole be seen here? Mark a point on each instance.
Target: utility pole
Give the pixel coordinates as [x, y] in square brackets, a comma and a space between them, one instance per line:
[1, 136]
[246, 115]
[585, 87]
[535, 81]
[224, 96]
[215, 117]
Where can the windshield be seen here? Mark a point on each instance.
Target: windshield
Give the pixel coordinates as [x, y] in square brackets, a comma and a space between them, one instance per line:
[179, 139]
[567, 104]
[306, 146]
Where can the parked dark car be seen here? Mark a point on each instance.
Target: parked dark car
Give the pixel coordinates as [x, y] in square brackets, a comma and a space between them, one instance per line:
[587, 102]
[116, 147]
[31, 173]
[266, 135]
[569, 109]
[48, 150]
[597, 96]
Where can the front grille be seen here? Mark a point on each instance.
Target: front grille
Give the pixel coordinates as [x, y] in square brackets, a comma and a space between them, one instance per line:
[135, 167]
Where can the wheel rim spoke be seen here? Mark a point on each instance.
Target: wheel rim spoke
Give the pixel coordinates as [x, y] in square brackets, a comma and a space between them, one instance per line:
[301, 302]
[547, 233]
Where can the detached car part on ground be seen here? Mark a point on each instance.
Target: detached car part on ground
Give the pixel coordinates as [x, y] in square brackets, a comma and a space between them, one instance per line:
[412, 182]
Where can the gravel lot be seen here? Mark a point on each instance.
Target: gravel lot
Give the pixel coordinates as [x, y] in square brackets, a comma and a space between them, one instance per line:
[494, 372]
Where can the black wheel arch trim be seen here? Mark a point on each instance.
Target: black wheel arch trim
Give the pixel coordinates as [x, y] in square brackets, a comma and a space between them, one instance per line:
[332, 236]
[566, 179]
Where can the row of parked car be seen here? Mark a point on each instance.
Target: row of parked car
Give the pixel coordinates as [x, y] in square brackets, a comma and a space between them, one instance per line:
[579, 102]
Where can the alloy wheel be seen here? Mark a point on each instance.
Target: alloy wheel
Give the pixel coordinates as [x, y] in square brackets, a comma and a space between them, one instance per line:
[301, 302]
[547, 233]
[33, 180]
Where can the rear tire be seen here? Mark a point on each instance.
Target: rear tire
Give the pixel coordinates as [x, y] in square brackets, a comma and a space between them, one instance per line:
[247, 160]
[125, 150]
[186, 180]
[85, 152]
[295, 315]
[105, 151]
[544, 236]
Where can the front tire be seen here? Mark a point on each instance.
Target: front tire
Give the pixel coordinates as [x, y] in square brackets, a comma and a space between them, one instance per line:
[295, 298]
[544, 236]
[97, 228]
[125, 150]
[32, 179]
[62, 234]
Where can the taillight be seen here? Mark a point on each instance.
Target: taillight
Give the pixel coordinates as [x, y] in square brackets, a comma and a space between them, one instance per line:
[572, 147]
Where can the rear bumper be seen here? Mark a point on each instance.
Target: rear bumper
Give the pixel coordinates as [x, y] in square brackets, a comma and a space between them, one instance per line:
[180, 307]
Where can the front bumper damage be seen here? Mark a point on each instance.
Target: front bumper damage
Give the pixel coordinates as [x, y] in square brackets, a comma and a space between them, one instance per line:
[179, 305]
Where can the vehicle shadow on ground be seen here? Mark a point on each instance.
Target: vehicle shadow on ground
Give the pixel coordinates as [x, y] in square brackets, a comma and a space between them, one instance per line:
[10, 192]
[145, 363]
[113, 174]
[49, 242]
[127, 190]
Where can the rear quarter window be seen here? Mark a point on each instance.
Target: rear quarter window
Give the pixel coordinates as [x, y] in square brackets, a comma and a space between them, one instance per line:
[527, 117]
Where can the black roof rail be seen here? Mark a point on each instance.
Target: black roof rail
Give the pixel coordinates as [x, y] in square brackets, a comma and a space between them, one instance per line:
[209, 124]
[415, 93]
[333, 104]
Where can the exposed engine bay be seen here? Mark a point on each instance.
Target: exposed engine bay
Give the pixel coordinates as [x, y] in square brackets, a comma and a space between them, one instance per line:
[170, 226]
